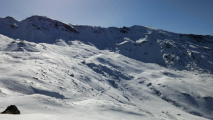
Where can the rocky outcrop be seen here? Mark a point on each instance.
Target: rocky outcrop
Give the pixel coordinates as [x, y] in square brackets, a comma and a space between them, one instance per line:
[12, 109]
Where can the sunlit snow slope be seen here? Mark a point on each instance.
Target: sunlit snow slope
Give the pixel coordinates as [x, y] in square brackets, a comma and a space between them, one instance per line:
[52, 70]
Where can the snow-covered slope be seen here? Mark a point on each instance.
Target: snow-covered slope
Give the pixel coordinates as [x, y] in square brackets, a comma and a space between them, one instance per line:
[175, 51]
[85, 72]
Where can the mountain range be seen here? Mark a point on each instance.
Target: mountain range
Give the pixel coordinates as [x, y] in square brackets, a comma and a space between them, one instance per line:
[53, 69]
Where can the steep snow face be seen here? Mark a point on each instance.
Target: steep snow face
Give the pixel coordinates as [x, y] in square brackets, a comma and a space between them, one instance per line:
[77, 80]
[175, 51]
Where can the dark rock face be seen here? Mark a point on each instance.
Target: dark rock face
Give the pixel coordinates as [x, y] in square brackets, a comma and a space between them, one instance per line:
[12, 109]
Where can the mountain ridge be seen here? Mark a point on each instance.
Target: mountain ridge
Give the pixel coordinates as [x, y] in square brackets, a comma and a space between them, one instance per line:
[141, 43]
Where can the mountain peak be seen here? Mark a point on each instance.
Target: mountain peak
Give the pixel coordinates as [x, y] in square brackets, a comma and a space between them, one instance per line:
[40, 18]
[9, 17]
[43, 20]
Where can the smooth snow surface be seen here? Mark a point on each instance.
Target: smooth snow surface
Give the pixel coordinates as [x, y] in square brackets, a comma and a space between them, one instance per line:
[77, 74]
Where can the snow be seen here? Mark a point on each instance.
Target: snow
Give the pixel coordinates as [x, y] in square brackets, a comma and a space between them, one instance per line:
[103, 73]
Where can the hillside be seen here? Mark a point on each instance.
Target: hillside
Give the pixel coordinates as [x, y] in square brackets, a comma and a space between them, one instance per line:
[52, 70]
[171, 50]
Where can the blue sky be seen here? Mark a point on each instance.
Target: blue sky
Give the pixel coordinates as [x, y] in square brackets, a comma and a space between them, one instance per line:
[181, 16]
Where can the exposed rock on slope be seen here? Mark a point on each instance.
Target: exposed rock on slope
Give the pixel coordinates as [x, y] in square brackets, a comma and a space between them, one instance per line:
[12, 109]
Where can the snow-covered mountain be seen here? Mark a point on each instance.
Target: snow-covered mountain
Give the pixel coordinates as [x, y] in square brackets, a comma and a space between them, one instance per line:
[52, 70]
[176, 51]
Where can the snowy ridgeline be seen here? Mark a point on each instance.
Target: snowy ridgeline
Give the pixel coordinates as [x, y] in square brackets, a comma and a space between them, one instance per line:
[171, 50]
[51, 70]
